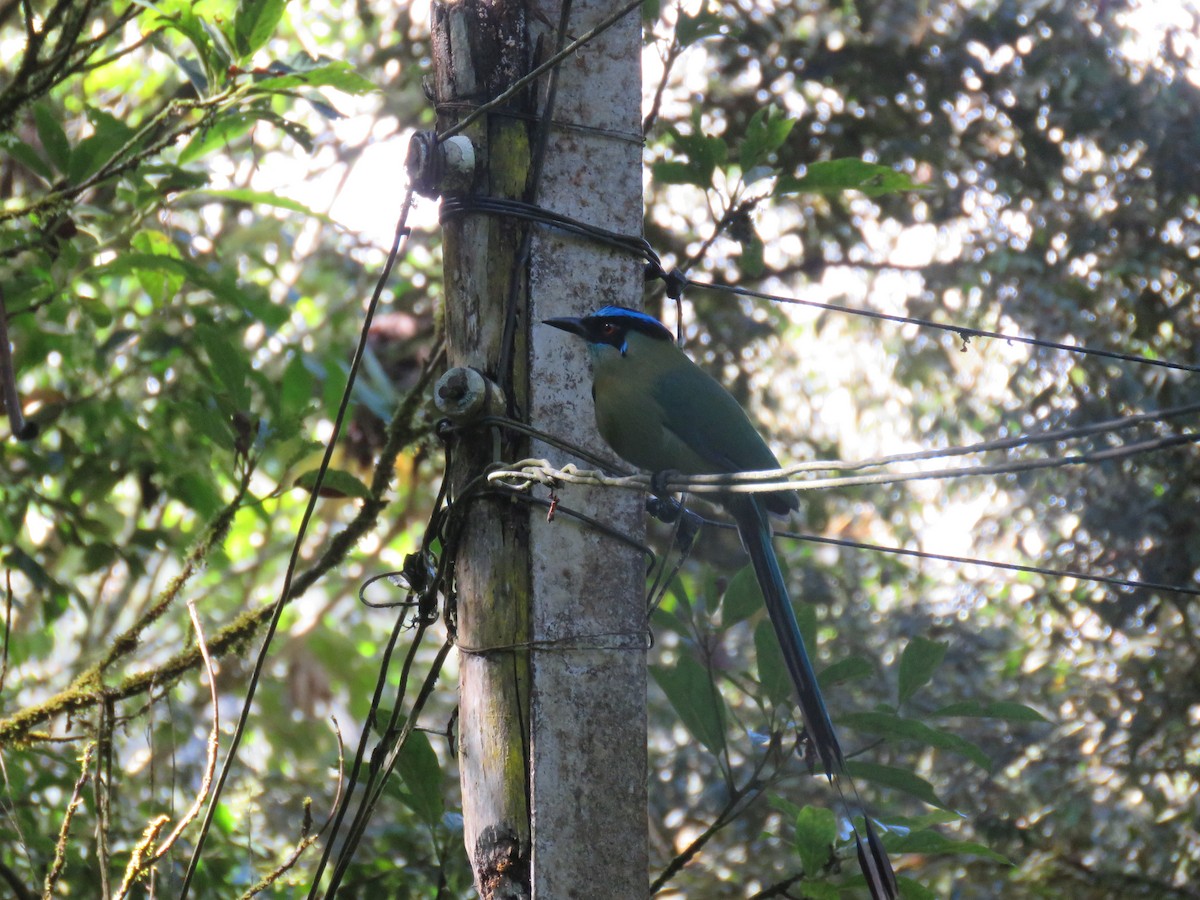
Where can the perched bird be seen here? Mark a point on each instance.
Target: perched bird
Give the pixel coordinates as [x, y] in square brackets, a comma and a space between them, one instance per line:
[661, 412]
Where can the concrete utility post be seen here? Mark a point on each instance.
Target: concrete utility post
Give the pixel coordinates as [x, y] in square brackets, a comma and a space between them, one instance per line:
[552, 625]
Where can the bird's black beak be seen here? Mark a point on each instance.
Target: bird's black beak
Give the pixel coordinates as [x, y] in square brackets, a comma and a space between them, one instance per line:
[572, 324]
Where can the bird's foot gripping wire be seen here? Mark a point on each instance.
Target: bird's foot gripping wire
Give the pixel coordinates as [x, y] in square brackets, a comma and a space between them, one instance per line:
[666, 509]
[660, 482]
[669, 510]
[418, 576]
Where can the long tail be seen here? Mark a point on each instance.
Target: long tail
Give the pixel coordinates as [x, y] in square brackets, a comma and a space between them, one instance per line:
[755, 530]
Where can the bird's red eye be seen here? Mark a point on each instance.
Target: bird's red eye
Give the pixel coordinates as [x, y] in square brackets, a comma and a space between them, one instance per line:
[609, 329]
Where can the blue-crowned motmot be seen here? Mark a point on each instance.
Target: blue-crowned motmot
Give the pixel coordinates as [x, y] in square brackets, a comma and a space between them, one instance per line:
[661, 412]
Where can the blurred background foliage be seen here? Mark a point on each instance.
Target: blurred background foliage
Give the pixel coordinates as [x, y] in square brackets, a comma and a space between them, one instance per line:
[182, 303]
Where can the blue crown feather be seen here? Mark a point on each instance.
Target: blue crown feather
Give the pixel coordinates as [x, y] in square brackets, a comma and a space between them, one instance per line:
[639, 321]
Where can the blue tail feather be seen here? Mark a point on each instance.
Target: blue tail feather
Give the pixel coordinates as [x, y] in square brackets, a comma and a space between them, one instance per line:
[755, 530]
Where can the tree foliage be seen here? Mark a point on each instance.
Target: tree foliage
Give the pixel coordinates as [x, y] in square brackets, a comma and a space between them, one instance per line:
[181, 331]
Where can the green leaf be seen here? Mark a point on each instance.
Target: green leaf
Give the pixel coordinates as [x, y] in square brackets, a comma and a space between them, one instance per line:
[56, 594]
[836, 176]
[675, 612]
[294, 130]
[784, 805]
[704, 154]
[254, 23]
[816, 830]
[97, 555]
[772, 670]
[198, 492]
[53, 138]
[690, 689]
[101, 315]
[667, 620]
[422, 776]
[822, 890]
[178, 15]
[14, 520]
[221, 133]
[296, 387]
[892, 726]
[205, 419]
[194, 72]
[758, 173]
[262, 198]
[109, 137]
[897, 779]
[927, 819]
[992, 709]
[225, 818]
[911, 889]
[705, 151]
[336, 74]
[750, 260]
[852, 668]
[671, 172]
[336, 483]
[689, 29]
[160, 284]
[806, 618]
[918, 662]
[256, 301]
[930, 842]
[229, 362]
[223, 287]
[742, 599]
[766, 132]
[26, 155]
[221, 50]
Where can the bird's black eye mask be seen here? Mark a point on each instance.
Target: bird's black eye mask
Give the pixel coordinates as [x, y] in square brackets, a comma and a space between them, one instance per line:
[612, 324]
[609, 332]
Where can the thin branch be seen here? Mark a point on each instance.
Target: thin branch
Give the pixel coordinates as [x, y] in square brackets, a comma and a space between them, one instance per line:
[60, 846]
[305, 839]
[21, 430]
[674, 51]
[145, 853]
[36, 77]
[13, 881]
[125, 643]
[779, 889]
[210, 107]
[402, 232]
[739, 800]
[234, 636]
[383, 771]
[101, 786]
[8, 596]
